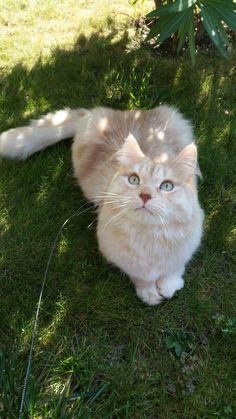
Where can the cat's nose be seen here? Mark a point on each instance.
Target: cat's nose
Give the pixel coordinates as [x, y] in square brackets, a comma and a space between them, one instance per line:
[145, 197]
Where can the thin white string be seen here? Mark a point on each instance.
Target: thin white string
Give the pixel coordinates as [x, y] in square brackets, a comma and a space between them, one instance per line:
[29, 364]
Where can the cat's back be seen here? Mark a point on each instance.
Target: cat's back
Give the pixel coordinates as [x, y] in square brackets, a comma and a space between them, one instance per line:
[159, 129]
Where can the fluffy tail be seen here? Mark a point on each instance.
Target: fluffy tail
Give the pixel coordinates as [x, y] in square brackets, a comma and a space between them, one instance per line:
[22, 142]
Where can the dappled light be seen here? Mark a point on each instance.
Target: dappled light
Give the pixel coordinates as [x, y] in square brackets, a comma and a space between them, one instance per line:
[92, 327]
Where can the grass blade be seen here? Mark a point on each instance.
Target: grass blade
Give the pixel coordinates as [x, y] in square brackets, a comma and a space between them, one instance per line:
[98, 393]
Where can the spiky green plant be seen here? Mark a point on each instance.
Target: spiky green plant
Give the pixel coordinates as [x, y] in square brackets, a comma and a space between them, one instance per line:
[183, 16]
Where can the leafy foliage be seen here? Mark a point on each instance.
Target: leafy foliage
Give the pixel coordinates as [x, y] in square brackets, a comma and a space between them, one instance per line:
[180, 342]
[227, 325]
[182, 16]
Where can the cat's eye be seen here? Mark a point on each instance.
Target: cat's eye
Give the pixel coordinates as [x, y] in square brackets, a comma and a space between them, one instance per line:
[134, 179]
[167, 186]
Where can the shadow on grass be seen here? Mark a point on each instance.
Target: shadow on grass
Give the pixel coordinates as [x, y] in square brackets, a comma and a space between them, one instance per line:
[84, 296]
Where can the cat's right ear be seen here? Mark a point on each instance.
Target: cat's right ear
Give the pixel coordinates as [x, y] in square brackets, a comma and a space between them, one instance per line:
[186, 162]
[129, 154]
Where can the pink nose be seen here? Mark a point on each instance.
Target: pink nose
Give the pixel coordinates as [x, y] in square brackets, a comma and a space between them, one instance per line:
[145, 197]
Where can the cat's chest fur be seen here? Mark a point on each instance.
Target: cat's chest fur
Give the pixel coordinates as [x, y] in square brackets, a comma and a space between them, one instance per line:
[142, 252]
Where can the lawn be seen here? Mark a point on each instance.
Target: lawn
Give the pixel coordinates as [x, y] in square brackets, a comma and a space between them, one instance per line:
[100, 352]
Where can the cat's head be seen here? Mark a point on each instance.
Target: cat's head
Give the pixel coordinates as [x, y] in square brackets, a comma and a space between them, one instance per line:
[155, 192]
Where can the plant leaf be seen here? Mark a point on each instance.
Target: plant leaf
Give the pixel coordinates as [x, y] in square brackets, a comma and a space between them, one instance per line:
[162, 22]
[167, 25]
[170, 342]
[228, 16]
[210, 25]
[177, 6]
[217, 17]
[178, 349]
[183, 30]
[223, 4]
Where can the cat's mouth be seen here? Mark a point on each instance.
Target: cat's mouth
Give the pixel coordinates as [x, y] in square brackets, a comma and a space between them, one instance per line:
[144, 209]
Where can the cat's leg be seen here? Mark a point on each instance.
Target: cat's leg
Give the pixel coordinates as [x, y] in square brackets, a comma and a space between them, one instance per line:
[167, 286]
[147, 291]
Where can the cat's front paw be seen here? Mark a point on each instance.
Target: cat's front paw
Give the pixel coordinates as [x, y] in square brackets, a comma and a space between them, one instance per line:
[168, 286]
[149, 295]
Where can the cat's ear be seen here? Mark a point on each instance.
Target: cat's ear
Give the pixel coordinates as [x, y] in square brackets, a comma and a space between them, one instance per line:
[186, 161]
[130, 153]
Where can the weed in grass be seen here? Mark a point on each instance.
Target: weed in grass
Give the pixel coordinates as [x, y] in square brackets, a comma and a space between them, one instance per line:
[227, 325]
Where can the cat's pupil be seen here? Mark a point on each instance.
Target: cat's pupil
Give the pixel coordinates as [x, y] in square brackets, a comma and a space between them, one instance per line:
[134, 179]
[167, 186]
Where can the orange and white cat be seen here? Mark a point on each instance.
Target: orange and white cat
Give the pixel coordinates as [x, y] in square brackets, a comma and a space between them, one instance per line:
[139, 168]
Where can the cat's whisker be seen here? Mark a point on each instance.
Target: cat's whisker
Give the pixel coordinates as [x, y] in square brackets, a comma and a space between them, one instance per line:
[163, 224]
[168, 211]
[90, 225]
[120, 206]
[111, 195]
[91, 206]
[115, 218]
[178, 216]
[118, 198]
[115, 200]
[168, 242]
[159, 205]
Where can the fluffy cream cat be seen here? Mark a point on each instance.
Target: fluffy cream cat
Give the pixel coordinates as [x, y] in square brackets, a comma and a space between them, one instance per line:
[139, 168]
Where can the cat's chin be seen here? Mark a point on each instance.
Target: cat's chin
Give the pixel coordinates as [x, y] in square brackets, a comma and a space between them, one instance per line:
[145, 216]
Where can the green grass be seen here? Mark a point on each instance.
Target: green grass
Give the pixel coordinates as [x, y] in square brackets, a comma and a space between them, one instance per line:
[96, 340]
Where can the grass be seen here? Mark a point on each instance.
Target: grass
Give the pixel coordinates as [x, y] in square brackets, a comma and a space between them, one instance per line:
[100, 352]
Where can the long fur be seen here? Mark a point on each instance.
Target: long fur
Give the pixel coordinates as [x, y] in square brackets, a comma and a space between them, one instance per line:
[150, 239]
[24, 141]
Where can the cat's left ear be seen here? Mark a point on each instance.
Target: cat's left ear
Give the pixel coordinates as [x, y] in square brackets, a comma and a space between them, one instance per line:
[130, 153]
[186, 161]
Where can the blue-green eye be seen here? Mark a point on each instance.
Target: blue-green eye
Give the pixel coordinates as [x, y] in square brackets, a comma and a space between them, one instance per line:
[134, 179]
[167, 186]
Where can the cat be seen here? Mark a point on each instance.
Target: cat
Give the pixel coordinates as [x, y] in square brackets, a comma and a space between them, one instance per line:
[139, 167]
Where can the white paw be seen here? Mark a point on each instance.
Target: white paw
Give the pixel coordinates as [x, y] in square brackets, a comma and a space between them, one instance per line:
[168, 286]
[149, 295]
